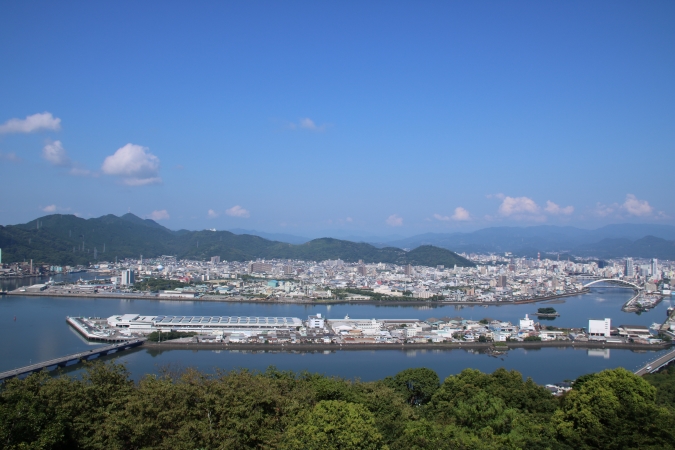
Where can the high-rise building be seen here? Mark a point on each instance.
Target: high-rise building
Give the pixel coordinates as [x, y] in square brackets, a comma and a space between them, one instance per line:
[501, 281]
[629, 270]
[127, 277]
[408, 270]
[215, 259]
[259, 267]
[288, 270]
[655, 269]
[361, 270]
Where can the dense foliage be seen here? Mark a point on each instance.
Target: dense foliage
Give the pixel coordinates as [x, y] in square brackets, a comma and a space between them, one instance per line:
[547, 310]
[158, 336]
[664, 382]
[156, 284]
[70, 240]
[104, 409]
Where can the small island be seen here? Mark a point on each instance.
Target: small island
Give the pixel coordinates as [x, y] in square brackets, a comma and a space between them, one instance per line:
[547, 313]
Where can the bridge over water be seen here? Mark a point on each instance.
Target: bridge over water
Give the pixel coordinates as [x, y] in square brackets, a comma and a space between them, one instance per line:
[622, 283]
[656, 364]
[77, 357]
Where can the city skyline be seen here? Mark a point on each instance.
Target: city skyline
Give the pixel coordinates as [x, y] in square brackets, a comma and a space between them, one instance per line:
[378, 119]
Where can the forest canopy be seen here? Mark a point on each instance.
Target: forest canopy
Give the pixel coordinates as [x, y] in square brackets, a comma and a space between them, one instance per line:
[105, 409]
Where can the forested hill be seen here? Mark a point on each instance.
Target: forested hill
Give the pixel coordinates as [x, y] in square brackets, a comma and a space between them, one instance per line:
[67, 239]
[414, 409]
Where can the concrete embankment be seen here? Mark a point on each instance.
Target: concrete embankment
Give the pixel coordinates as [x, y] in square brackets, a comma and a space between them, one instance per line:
[168, 345]
[301, 301]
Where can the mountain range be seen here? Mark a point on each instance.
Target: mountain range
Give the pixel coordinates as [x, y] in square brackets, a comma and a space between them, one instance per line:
[611, 241]
[68, 240]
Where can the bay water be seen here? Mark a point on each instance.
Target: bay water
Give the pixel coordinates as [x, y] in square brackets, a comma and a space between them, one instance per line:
[33, 329]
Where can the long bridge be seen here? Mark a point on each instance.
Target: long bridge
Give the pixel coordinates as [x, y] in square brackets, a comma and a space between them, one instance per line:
[64, 360]
[656, 364]
[618, 281]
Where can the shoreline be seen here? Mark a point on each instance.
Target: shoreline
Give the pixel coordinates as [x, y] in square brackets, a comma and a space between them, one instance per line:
[168, 345]
[213, 298]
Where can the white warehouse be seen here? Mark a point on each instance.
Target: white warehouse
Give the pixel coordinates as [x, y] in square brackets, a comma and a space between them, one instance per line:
[599, 328]
[148, 324]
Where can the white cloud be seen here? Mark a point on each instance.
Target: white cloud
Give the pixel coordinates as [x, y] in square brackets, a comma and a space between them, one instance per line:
[518, 205]
[56, 154]
[11, 157]
[49, 209]
[134, 164]
[636, 207]
[309, 124]
[603, 210]
[36, 122]
[461, 214]
[238, 211]
[349, 219]
[555, 209]
[394, 220]
[160, 214]
[212, 214]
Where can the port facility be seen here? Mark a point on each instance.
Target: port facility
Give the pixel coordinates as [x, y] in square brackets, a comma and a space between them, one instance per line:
[146, 324]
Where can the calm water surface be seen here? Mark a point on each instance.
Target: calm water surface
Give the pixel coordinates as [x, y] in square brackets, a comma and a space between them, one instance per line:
[40, 333]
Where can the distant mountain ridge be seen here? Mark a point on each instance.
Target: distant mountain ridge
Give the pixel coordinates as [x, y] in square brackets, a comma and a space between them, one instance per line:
[638, 240]
[67, 239]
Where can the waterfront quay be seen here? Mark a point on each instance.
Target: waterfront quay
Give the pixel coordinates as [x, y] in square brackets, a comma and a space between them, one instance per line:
[353, 331]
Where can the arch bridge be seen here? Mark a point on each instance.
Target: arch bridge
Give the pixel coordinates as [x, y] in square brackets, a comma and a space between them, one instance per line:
[623, 283]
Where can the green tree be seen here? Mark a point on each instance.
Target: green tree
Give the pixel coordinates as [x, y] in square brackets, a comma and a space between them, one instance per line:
[614, 409]
[417, 385]
[335, 424]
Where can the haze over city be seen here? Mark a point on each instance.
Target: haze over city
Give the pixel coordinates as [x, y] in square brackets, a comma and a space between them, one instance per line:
[317, 119]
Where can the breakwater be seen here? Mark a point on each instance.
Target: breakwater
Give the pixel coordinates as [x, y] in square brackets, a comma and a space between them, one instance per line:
[169, 345]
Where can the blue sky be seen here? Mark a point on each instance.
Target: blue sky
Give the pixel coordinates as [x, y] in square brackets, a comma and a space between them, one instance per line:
[339, 117]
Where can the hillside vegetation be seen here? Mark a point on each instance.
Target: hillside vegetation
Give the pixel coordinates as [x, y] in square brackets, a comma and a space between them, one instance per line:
[104, 409]
[69, 240]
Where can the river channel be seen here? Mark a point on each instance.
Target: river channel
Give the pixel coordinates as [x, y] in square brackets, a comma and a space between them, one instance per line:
[34, 329]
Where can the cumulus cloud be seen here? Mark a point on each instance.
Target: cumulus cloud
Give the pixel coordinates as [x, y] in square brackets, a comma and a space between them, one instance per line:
[518, 205]
[555, 209]
[394, 220]
[160, 214]
[238, 211]
[636, 207]
[212, 214]
[56, 154]
[461, 214]
[134, 164]
[36, 122]
[11, 157]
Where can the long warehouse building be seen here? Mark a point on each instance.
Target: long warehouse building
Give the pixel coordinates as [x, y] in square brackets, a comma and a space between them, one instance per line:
[146, 324]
